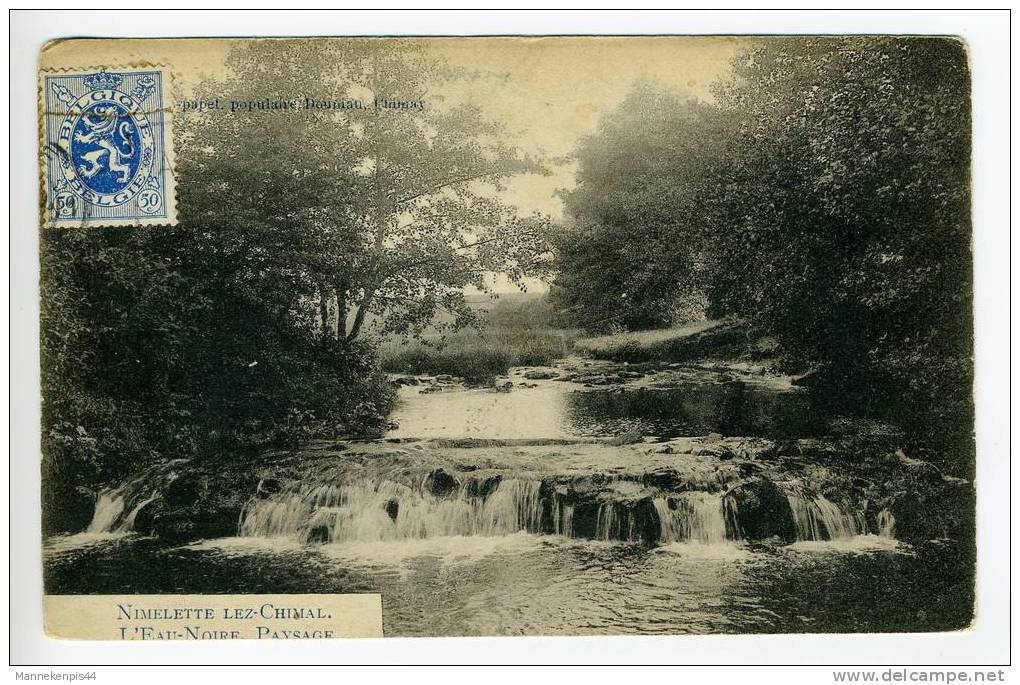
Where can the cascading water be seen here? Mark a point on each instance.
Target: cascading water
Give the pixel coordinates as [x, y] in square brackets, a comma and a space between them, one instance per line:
[816, 518]
[118, 507]
[562, 517]
[886, 524]
[617, 521]
[691, 517]
[109, 507]
[385, 510]
[370, 510]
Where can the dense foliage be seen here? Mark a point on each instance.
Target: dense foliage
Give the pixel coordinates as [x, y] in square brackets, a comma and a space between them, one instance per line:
[823, 197]
[630, 255]
[378, 214]
[155, 342]
[242, 327]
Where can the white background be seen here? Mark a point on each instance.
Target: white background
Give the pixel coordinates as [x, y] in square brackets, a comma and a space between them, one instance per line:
[987, 34]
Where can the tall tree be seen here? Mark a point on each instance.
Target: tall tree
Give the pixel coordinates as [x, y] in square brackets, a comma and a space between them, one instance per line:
[278, 182]
[631, 251]
[377, 202]
[430, 218]
[843, 210]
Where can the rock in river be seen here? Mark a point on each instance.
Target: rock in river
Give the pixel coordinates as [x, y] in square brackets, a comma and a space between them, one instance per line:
[319, 534]
[762, 511]
[628, 438]
[441, 484]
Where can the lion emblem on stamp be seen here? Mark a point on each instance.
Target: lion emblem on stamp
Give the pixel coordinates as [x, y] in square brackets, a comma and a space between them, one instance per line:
[108, 152]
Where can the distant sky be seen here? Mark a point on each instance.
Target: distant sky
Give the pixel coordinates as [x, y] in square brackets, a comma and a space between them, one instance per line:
[557, 89]
[547, 91]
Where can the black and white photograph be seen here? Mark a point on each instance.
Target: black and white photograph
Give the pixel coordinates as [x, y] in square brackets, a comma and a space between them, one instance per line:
[506, 336]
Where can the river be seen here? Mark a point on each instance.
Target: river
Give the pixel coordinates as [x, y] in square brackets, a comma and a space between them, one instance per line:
[511, 553]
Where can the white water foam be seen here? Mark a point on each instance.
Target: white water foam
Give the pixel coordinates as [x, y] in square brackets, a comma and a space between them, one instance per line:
[691, 517]
[373, 512]
[59, 544]
[109, 507]
[816, 518]
[858, 544]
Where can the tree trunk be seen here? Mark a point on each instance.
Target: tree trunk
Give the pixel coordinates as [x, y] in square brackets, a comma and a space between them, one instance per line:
[323, 312]
[359, 317]
[341, 310]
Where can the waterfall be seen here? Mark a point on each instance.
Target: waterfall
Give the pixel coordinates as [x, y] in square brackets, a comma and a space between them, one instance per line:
[562, 517]
[109, 507]
[489, 504]
[731, 518]
[515, 499]
[886, 524]
[817, 518]
[385, 510]
[118, 507]
[617, 521]
[128, 524]
[691, 517]
[373, 511]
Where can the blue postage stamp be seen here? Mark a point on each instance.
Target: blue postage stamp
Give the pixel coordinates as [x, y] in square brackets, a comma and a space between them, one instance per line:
[108, 149]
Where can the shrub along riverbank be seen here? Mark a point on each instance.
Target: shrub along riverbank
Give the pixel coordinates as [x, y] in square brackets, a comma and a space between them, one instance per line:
[478, 355]
[699, 340]
[512, 331]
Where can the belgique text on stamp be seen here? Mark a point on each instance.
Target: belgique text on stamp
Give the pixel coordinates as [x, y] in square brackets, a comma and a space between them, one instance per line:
[108, 149]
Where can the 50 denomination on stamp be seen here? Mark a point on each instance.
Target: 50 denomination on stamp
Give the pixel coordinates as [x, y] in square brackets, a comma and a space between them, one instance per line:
[108, 148]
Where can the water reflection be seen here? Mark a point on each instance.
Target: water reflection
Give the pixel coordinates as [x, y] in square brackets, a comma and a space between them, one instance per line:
[563, 410]
[548, 585]
[456, 412]
[729, 409]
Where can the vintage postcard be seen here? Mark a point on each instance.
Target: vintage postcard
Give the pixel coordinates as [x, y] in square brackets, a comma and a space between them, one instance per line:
[350, 337]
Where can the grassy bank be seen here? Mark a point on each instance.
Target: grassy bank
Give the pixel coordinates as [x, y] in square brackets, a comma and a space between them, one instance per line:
[702, 339]
[478, 355]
